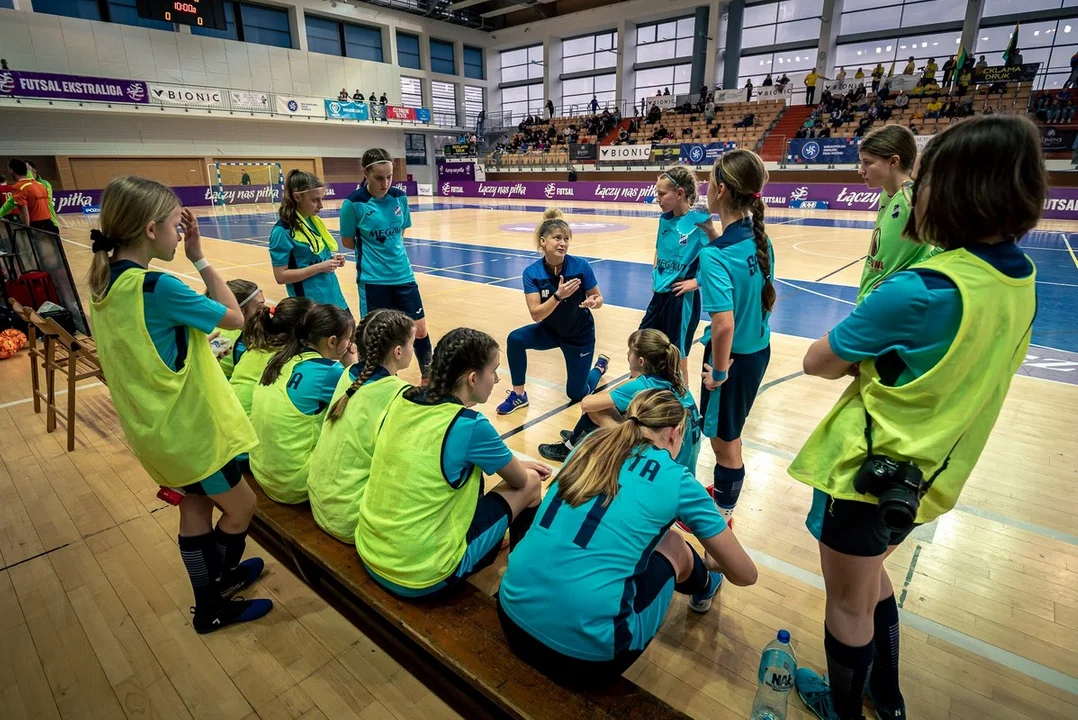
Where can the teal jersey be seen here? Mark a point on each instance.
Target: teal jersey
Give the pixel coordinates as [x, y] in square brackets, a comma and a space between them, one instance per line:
[731, 280]
[287, 252]
[676, 247]
[623, 394]
[378, 228]
[570, 583]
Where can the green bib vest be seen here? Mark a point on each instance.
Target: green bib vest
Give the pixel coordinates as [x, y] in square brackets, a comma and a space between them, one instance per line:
[413, 524]
[341, 462]
[953, 405]
[286, 438]
[183, 426]
[228, 365]
[247, 374]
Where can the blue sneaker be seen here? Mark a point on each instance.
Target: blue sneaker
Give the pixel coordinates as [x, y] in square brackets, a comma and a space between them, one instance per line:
[513, 402]
[815, 693]
[603, 363]
[702, 603]
[243, 576]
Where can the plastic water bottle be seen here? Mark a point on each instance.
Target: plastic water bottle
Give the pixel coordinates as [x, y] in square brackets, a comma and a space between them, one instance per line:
[776, 679]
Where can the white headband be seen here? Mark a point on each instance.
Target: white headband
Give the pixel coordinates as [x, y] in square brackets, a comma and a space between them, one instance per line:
[377, 162]
[250, 297]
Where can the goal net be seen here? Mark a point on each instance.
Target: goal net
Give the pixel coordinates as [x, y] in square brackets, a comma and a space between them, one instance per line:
[244, 183]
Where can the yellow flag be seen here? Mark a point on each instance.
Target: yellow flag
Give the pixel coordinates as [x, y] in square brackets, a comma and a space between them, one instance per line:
[891, 72]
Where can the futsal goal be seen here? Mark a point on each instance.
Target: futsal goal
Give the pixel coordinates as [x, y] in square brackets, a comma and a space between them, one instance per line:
[243, 183]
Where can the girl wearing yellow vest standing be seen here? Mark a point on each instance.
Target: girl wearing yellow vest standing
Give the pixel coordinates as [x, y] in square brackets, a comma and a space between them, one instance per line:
[425, 523]
[179, 416]
[303, 253]
[290, 402]
[264, 333]
[932, 351]
[231, 342]
[341, 462]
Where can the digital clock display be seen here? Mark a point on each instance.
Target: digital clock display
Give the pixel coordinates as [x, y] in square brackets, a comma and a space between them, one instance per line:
[202, 13]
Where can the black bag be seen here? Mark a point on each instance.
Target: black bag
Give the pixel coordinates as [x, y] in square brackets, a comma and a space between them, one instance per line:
[63, 318]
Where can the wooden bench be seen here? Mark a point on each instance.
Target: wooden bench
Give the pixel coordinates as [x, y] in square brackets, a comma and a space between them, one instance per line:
[456, 645]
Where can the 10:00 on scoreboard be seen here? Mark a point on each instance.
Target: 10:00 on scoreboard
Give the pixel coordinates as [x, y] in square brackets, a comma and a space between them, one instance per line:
[203, 13]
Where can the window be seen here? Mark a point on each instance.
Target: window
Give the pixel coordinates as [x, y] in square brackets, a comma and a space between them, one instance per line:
[333, 37]
[667, 40]
[124, 12]
[9, 4]
[1050, 43]
[523, 101]
[788, 21]
[411, 92]
[865, 55]
[362, 42]
[794, 63]
[473, 63]
[415, 148]
[231, 31]
[995, 8]
[522, 64]
[323, 35]
[408, 51]
[265, 25]
[473, 104]
[590, 52]
[85, 9]
[674, 77]
[579, 91]
[441, 57]
[860, 16]
[444, 102]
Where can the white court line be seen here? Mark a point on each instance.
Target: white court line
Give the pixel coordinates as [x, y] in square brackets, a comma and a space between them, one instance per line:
[13, 403]
[829, 297]
[162, 269]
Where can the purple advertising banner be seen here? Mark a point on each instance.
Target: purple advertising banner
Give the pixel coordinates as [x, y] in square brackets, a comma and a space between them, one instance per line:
[19, 83]
[455, 170]
[74, 201]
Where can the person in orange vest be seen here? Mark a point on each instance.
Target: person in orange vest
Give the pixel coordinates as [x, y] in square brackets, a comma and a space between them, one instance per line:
[30, 197]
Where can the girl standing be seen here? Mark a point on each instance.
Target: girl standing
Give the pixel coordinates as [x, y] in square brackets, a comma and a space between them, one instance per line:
[151, 332]
[588, 587]
[264, 334]
[425, 523]
[290, 401]
[341, 462]
[250, 300]
[654, 362]
[561, 291]
[736, 271]
[887, 157]
[961, 323]
[373, 221]
[302, 251]
[674, 309]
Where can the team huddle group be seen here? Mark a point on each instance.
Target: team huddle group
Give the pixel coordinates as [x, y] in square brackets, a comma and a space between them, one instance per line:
[309, 402]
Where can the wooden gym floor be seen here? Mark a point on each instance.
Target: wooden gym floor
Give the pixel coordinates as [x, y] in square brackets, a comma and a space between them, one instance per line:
[94, 599]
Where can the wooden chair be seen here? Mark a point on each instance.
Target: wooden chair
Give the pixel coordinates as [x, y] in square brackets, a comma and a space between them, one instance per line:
[37, 356]
[73, 357]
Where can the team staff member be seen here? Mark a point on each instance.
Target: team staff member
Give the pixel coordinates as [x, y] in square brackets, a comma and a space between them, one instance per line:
[887, 157]
[654, 362]
[674, 309]
[561, 291]
[736, 271]
[302, 251]
[933, 351]
[178, 414]
[588, 587]
[373, 221]
[425, 523]
[289, 404]
[341, 462]
[30, 198]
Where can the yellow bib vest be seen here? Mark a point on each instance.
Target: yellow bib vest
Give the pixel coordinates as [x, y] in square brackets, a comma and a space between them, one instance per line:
[341, 462]
[953, 405]
[286, 438]
[247, 374]
[183, 426]
[227, 363]
[413, 524]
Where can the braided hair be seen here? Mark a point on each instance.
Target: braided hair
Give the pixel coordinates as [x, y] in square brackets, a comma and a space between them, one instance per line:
[744, 175]
[376, 335]
[461, 351]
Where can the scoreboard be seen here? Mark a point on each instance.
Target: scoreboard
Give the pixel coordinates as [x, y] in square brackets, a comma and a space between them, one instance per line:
[203, 13]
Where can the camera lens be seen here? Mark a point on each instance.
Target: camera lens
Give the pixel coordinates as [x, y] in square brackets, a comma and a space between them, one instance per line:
[898, 509]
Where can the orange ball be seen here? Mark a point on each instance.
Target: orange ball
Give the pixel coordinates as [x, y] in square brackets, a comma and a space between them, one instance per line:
[16, 335]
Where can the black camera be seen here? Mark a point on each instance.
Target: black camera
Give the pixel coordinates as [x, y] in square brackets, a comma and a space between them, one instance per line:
[899, 487]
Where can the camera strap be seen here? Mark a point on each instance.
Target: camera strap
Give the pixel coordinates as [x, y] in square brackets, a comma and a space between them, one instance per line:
[928, 483]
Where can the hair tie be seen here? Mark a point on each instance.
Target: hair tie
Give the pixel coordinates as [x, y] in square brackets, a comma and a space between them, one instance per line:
[758, 195]
[351, 390]
[633, 418]
[102, 242]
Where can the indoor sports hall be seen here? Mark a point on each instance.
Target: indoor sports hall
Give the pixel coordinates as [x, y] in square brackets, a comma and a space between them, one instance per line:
[491, 112]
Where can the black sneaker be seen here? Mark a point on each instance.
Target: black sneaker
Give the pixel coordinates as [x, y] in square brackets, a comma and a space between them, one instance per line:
[566, 435]
[242, 576]
[236, 610]
[885, 712]
[556, 452]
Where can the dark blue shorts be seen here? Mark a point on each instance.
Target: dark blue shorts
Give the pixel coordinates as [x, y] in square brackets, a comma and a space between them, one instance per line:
[676, 317]
[726, 409]
[221, 481]
[393, 297]
[492, 518]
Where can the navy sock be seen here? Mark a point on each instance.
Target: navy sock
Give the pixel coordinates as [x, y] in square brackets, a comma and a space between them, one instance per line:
[230, 547]
[884, 678]
[848, 669]
[699, 580]
[520, 525]
[728, 482]
[423, 352]
[583, 426]
[203, 563]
